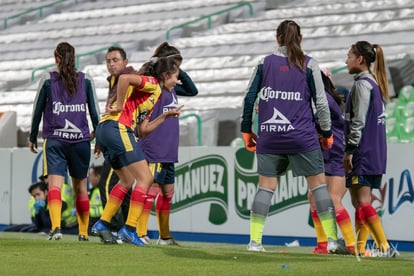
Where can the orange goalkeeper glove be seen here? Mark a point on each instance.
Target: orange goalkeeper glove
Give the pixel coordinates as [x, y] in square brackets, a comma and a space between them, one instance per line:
[327, 142]
[249, 139]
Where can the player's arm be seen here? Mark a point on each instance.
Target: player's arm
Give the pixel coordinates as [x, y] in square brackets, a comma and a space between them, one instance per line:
[319, 97]
[187, 86]
[124, 82]
[147, 126]
[38, 107]
[93, 105]
[253, 89]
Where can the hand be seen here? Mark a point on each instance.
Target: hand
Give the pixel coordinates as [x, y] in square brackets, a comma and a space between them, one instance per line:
[33, 147]
[97, 152]
[249, 139]
[326, 143]
[174, 112]
[348, 163]
[112, 110]
[39, 205]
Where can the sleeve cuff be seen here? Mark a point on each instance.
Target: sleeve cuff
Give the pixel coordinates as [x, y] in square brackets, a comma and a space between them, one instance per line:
[326, 133]
[350, 149]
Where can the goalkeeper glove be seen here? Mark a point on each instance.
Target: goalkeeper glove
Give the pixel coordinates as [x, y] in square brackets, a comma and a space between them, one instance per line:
[249, 139]
[326, 142]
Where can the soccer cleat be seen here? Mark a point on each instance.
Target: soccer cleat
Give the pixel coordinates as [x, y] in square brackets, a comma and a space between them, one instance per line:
[320, 250]
[130, 236]
[99, 229]
[254, 246]
[116, 237]
[145, 239]
[99, 226]
[335, 247]
[351, 250]
[82, 238]
[170, 241]
[55, 234]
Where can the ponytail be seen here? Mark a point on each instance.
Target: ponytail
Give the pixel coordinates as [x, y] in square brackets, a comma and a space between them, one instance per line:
[165, 50]
[380, 71]
[67, 70]
[156, 67]
[289, 36]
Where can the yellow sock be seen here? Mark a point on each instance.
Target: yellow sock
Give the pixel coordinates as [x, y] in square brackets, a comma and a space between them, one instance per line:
[113, 203]
[142, 229]
[54, 202]
[344, 222]
[320, 234]
[136, 206]
[256, 227]
[362, 231]
[329, 224]
[82, 213]
[375, 226]
[163, 207]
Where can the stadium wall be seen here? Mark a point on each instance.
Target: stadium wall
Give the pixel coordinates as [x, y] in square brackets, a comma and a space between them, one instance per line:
[215, 187]
[8, 127]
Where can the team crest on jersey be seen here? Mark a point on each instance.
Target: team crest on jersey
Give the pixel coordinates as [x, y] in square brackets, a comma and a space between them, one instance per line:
[142, 116]
[69, 131]
[277, 123]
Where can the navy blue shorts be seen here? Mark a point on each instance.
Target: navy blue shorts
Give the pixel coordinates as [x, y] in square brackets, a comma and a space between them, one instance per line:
[372, 181]
[58, 157]
[118, 144]
[164, 173]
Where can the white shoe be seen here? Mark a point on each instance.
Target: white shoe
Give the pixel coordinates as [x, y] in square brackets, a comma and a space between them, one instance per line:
[146, 240]
[117, 239]
[254, 246]
[335, 247]
[170, 241]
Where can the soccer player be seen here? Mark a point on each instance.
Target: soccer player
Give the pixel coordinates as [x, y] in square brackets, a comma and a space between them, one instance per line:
[288, 81]
[63, 98]
[335, 174]
[161, 148]
[116, 64]
[115, 136]
[365, 139]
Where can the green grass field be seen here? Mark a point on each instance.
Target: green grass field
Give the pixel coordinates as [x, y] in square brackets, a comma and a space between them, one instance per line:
[32, 254]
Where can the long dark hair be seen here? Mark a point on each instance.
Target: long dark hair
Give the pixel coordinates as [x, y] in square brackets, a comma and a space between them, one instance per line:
[331, 89]
[289, 36]
[156, 68]
[163, 60]
[165, 50]
[67, 70]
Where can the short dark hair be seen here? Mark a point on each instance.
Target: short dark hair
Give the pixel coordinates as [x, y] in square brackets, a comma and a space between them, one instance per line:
[41, 185]
[119, 49]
